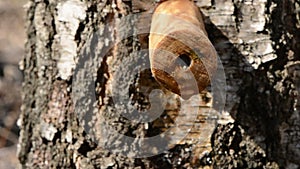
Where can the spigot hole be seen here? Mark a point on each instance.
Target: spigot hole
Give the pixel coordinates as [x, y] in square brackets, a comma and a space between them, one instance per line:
[183, 61]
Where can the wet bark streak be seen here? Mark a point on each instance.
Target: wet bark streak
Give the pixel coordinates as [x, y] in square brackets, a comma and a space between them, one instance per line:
[257, 41]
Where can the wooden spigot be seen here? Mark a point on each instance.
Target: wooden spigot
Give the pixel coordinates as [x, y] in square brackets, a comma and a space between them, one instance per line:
[182, 57]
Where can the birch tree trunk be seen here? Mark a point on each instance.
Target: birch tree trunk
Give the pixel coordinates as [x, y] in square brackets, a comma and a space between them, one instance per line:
[90, 101]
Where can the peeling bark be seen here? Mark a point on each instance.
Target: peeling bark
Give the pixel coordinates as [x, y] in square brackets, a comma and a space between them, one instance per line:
[78, 54]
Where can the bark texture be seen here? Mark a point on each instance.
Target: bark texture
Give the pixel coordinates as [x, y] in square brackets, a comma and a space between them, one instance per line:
[78, 54]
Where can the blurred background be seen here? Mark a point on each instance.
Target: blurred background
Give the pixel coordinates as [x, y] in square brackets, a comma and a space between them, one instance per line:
[12, 39]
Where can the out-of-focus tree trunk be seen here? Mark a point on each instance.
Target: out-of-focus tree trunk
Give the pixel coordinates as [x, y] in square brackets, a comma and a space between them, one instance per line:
[84, 72]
